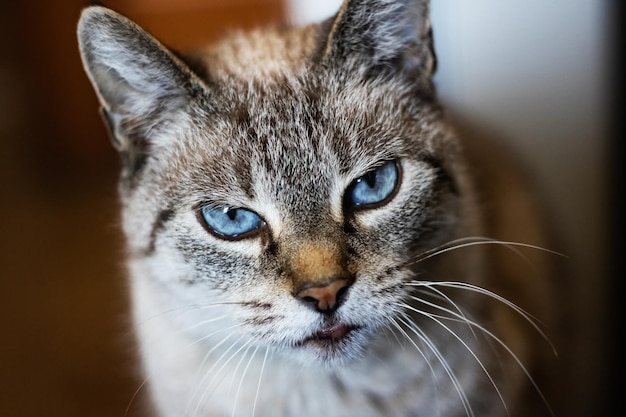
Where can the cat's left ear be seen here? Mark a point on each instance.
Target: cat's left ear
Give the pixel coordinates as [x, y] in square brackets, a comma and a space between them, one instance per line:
[383, 35]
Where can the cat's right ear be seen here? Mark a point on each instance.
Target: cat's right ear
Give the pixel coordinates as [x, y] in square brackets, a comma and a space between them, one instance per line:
[393, 37]
[139, 82]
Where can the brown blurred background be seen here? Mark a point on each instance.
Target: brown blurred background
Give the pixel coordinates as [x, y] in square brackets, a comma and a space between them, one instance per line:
[65, 346]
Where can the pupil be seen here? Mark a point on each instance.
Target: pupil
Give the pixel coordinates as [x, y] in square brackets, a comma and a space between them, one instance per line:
[231, 213]
[370, 179]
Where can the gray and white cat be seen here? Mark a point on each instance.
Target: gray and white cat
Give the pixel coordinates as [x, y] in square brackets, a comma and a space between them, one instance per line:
[307, 236]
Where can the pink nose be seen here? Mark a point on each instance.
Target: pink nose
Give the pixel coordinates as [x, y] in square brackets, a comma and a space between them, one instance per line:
[325, 297]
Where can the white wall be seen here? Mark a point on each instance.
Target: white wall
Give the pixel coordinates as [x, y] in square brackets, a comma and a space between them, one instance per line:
[534, 70]
[307, 11]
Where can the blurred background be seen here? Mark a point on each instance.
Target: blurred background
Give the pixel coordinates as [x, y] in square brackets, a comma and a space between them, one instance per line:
[537, 73]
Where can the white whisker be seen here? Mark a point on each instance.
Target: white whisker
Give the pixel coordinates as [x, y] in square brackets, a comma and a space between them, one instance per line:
[135, 395]
[203, 322]
[202, 363]
[258, 387]
[480, 290]
[206, 393]
[435, 379]
[243, 376]
[520, 364]
[406, 335]
[475, 241]
[465, 345]
[446, 367]
[440, 294]
[208, 372]
[207, 336]
[182, 310]
[236, 369]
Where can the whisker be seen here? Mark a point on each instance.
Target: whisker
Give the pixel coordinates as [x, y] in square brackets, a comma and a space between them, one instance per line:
[149, 377]
[456, 318]
[203, 322]
[236, 369]
[395, 336]
[475, 241]
[206, 392]
[465, 345]
[519, 310]
[243, 376]
[435, 378]
[204, 359]
[521, 365]
[135, 395]
[455, 382]
[388, 326]
[207, 336]
[532, 320]
[258, 387]
[440, 294]
[184, 309]
[406, 335]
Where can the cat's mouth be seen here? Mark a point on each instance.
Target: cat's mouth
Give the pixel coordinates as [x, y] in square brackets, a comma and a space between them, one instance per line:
[329, 336]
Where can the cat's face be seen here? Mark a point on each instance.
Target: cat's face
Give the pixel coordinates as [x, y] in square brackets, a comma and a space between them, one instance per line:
[285, 210]
[271, 194]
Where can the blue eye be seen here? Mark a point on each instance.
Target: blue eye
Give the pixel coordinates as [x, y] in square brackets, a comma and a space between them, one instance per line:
[231, 223]
[376, 187]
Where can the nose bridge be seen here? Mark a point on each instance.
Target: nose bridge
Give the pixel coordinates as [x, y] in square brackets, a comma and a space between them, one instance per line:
[316, 263]
[319, 274]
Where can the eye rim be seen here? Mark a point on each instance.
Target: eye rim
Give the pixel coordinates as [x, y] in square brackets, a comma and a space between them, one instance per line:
[350, 207]
[253, 233]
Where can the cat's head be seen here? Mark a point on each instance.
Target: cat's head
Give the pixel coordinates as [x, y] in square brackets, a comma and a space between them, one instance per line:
[289, 176]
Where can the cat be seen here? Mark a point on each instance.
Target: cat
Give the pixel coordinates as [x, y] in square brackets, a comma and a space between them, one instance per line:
[308, 234]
